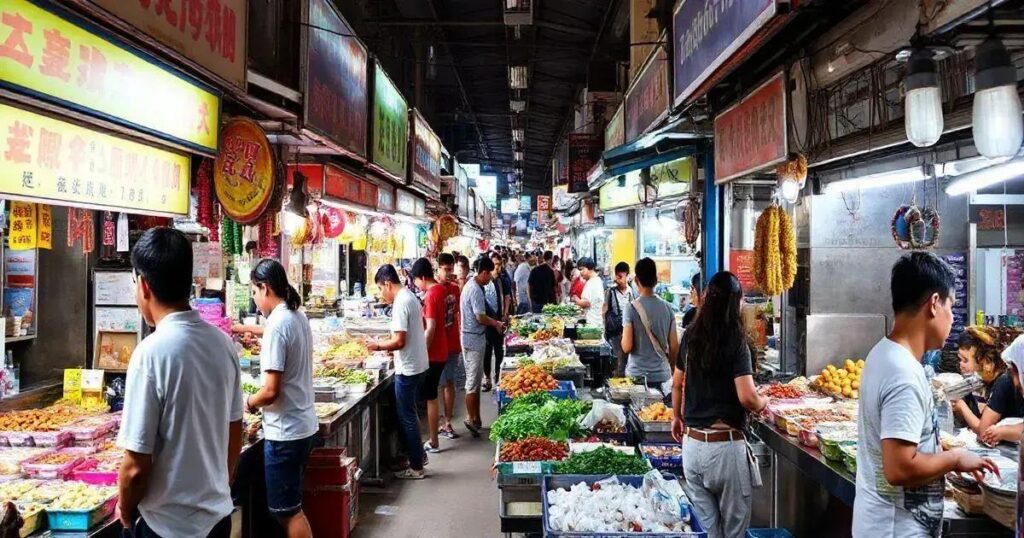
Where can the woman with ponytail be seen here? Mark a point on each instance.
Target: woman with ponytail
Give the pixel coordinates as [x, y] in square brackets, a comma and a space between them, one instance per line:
[286, 398]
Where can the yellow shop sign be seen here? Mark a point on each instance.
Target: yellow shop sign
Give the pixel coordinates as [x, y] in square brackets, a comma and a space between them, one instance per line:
[47, 160]
[54, 58]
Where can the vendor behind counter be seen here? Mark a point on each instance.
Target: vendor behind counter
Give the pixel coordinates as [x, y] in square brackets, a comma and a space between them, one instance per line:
[981, 352]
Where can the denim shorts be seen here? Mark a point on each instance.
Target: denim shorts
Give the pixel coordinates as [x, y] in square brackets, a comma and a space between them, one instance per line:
[285, 464]
[452, 369]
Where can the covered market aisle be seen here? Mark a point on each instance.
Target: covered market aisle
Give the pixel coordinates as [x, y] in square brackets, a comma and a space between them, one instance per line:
[458, 496]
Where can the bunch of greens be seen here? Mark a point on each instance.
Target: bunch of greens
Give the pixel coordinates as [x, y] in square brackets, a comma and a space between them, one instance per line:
[588, 333]
[356, 377]
[538, 414]
[567, 310]
[603, 460]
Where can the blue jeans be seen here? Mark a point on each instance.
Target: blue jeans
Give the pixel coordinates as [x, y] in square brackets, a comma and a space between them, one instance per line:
[407, 388]
[285, 467]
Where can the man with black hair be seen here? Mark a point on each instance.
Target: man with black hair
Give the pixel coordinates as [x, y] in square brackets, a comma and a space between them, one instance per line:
[409, 343]
[446, 276]
[618, 300]
[182, 424]
[435, 297]
[475, 322]
[541, 284]
[521, 278]
[499, 298]
[592, 298]
[900, 464]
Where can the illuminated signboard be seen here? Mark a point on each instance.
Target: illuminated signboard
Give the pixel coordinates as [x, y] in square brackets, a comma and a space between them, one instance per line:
[390, 125]
[63, 61]
[48, 160]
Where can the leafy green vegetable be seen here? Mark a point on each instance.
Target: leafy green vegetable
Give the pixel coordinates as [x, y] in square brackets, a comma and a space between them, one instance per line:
[603, 460]
[588, 333]
[538, 414]
[250, 388]
[567, 310]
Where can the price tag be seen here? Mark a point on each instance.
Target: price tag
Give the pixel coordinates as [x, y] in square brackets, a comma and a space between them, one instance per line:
[526, 467]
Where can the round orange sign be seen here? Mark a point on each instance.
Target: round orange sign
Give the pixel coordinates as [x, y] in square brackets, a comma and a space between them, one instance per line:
[244, 174]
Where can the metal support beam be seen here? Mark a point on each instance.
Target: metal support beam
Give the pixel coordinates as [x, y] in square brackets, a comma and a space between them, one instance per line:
[710, 216]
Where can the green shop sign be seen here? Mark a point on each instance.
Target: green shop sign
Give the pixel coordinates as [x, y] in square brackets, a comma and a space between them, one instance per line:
[390, 125]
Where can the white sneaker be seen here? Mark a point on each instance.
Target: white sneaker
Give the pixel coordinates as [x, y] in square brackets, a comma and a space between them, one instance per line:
[410, 474]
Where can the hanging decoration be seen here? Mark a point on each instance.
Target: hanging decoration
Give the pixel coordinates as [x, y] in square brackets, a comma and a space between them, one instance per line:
[332, 220]
[109, 230]
[422, 240]
[267, 246]
[23, 234]
[205, 214]
[245, 172]
[913, 228]
[691, 222]
[232, 237]
[774, 251]
[80, 227]
[45, 227]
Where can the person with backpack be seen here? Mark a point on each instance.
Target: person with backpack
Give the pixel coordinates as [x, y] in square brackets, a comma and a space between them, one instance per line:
[617, 300]
[649, 332]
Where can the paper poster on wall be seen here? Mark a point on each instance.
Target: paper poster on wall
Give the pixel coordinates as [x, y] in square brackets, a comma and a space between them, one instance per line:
[114, 288]
[118, 319]
[19, 268]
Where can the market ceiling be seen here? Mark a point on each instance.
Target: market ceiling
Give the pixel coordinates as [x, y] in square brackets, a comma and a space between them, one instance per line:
[465, 53]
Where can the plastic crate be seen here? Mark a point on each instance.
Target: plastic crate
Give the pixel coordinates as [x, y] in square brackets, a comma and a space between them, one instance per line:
[565, 390]
[80, 520]
[768, 533]
[519, 473]
[552, 482]
[663, 463]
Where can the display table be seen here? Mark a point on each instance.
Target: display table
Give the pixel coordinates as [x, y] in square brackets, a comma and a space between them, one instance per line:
[795, 470]
[352, 428]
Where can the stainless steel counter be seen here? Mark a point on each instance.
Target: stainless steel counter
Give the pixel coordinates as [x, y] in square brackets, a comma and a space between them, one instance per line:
[807, 491]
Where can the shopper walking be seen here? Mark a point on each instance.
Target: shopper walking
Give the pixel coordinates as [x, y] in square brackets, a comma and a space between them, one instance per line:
[541, 284]
[649, 331]
[435, 298]
[178, 462]
[900, 464]
[286, 397]
[499, 298]
[591, 300]
[446, 275]
[696, 289]
[719, 467]
[522, 279]
[409, 342]
[475, 321]
[616, 302]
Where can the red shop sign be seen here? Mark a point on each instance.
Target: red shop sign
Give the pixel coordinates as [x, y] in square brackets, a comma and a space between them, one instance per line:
[741, 264]
[314, 177]
[584, 153]
[345, 186]
[751, 134]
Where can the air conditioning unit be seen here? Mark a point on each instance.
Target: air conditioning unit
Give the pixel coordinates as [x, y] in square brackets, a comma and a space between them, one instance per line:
[518, 12]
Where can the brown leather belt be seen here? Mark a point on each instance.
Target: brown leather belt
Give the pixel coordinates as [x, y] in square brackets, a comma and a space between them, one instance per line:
[715, 436]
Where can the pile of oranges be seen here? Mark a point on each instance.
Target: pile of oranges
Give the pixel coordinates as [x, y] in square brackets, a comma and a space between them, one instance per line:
[843, 381]
[527, 379]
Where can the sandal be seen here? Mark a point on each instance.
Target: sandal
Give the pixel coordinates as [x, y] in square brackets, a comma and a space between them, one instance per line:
[473, 429]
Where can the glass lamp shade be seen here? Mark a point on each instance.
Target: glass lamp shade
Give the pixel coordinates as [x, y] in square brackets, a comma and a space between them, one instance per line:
[998, 128]
[292, 222]
[923, 116]
[790, 191]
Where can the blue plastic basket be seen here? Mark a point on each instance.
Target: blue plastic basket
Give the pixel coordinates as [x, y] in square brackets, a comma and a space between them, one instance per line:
[552, 482]
[768, 533]
[662, 463]
[565, 390]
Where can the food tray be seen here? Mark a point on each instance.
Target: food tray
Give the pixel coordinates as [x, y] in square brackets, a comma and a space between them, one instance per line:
[80, 520]
[624, 394]
[91, 427]
[832, 450]
[565, 390]
[352, 388]
[849, 452]
[623, 438]
[12, 458]
[650, 427]
[50, 470]
[998, 506]
[552, 482]
[32, 523]
[58, 438]
[663, 463]
[86, 472]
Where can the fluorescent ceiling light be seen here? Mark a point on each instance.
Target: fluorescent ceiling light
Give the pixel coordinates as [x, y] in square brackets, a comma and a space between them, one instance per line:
[884, 179]
[986, 177]
[517, 105]
[517, 135]
[517, 77]
[518, 155]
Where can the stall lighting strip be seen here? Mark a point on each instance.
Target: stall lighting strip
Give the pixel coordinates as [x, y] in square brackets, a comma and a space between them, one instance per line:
[986, 177]
[884, 179]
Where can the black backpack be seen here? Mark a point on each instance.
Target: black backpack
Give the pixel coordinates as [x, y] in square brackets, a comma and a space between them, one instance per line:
[612, 316]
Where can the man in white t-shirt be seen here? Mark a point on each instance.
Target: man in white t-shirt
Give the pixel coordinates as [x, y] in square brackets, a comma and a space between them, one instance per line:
[409, 342]
[182, 425]
[900, 464]
[522, 282]
[592, 298]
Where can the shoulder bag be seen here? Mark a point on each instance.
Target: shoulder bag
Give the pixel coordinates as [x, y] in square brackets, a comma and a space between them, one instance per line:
[658, 347]
[613, 316]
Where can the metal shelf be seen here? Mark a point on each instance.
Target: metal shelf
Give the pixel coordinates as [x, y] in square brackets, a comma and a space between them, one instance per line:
[20, 338]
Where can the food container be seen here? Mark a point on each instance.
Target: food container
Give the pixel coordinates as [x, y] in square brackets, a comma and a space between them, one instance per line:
[520, 473]
[792, 423]
[34, 468]
[12, 458]
[324, 396]
[655, 453]
[48, 439]
[91, 427]
[565, 390]
[809, 437]
[849, 452]
[353, 388]
[87, 471]
[80, 520]
[972, 503]
[32, 518]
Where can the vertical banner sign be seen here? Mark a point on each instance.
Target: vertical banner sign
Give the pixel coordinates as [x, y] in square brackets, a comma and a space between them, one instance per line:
[45, 227]
[584, 153]
[47, 160]
[244, 174]
[426, 158]
[543, 209]
[390, 125]
[741, 264]
[212, 33]
[23, 234]
[961, 308]
[647, 99]
[752, 133]
[336, 79]
[59, 60]
[614, 132]
[560, 198]
[706, 34]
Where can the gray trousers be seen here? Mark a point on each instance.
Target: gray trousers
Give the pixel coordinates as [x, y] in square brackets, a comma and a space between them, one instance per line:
[719, 486]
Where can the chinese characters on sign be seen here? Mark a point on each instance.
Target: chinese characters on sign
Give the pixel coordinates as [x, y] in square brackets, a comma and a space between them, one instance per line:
[45, 54]
[45, 227]
[543, 208]
[426, 161]
[47, 159]
[244, 174]
[647, 100]
[390, 125]
[614, 133]
[752, 133]
[23, 234]
[342, 185]
[210, 32]
[741, 263]
[706, 34]
[584, 153]
[336, 89]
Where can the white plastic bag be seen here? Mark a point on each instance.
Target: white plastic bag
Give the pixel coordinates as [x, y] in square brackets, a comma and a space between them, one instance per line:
[603, 410]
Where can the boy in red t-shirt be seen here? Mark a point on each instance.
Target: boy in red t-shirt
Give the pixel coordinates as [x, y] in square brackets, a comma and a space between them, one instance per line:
[446, 276]
[434, 321]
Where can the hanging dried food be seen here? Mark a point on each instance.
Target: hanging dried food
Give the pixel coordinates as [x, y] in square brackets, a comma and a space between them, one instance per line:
[774, 251]
[691, 222]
